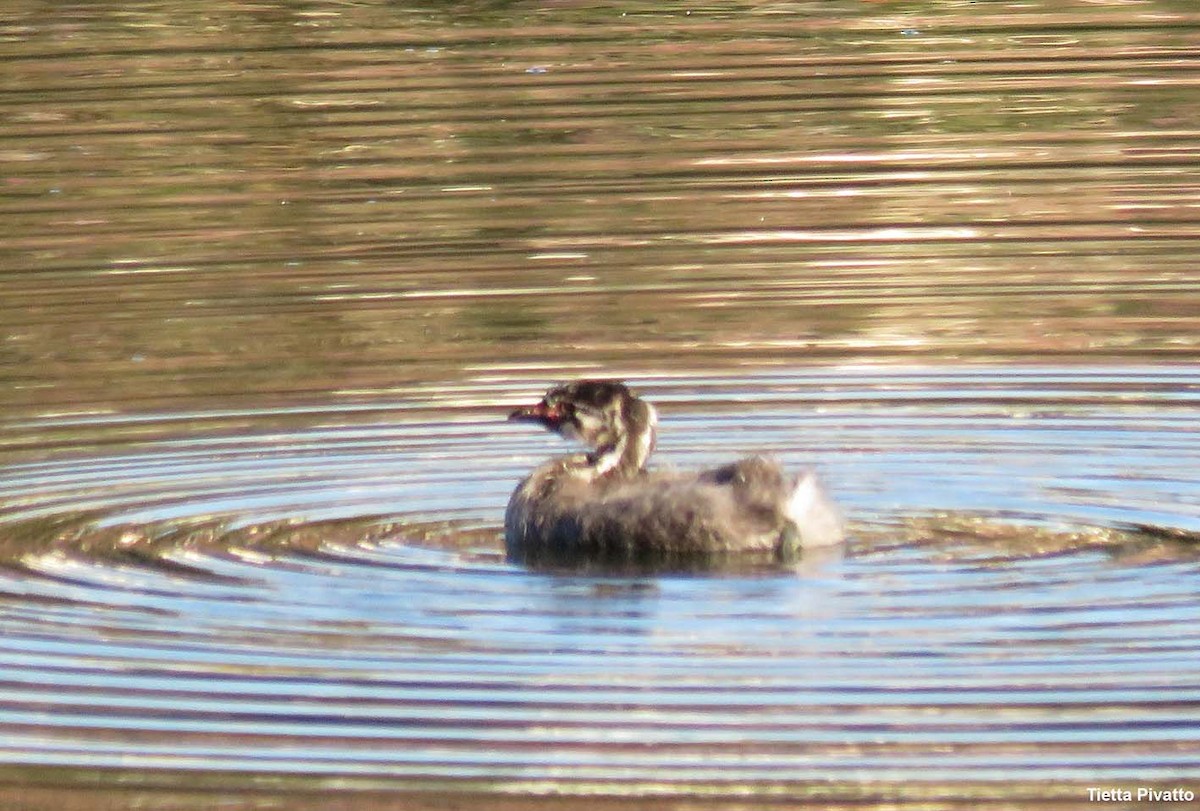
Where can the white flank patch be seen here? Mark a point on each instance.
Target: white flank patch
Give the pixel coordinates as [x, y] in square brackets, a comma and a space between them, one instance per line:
[815, 515]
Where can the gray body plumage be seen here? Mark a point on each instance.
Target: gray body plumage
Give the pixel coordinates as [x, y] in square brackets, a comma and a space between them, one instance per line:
[606, 505]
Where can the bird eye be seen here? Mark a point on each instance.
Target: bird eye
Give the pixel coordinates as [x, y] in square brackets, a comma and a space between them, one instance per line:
[560, 406]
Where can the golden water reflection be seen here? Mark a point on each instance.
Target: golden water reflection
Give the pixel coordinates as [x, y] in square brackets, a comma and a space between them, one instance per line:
[265, 202]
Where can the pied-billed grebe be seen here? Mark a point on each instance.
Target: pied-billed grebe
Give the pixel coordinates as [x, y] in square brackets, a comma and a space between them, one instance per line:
[604, 504]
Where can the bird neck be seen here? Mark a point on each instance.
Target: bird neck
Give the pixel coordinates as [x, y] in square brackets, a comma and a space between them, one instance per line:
[626, 455]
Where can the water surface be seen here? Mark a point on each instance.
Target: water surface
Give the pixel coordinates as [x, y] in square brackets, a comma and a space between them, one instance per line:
[272, 275]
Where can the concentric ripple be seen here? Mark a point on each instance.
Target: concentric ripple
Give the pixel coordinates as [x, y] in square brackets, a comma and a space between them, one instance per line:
[321, 593]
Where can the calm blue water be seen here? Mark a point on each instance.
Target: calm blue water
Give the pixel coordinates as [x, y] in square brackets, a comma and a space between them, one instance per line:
[994, 611]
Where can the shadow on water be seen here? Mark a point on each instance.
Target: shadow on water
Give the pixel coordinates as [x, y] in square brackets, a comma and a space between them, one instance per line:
[950, 535]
